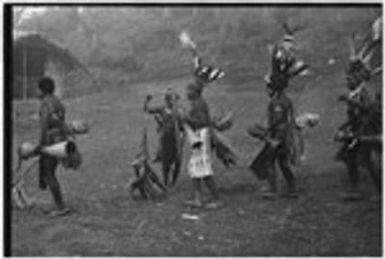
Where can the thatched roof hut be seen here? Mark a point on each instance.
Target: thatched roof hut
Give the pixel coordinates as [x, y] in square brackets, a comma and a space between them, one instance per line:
[34, 56]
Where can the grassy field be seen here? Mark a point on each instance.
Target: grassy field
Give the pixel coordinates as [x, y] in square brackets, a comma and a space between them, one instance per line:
[105, 221]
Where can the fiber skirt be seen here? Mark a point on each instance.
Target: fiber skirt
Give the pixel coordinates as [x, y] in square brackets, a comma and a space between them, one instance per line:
[199, 164]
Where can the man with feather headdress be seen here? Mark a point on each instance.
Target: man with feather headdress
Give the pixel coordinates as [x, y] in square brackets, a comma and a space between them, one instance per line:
[202, 131]
[364, 117]
[280, 134]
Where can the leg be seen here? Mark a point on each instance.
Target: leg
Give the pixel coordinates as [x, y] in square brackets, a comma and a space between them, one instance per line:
[176, 171]
[301, 146]
[215, 203]
[210, 183]
[42, 178]
[197, 189]
[271, 175]
[166, 166]
[352, 195]
[167, 146]
[288, 174]
[372, 166]
[353, 173]
[50, 165]
[272, 193]
[349, 157]
[284, 164]
[376, 177]
[272, 180]
[197, 201]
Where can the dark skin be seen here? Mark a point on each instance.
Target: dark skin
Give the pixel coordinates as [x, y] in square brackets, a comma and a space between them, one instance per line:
[280, 115]
[49, 164]
[198, 117]
[360, 113]
[170, 158]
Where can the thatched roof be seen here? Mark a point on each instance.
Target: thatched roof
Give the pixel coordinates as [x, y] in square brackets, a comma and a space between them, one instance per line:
[37, 51]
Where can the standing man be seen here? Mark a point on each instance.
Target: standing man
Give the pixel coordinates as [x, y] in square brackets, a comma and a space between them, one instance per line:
[281, 128]
[363, 118]
[52, 130]
[197, 123]
[281, 121]
[199, 127]
[354, 152]
[170, 135]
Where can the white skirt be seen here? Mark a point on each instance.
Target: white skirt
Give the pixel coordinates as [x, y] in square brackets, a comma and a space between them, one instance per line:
[199, 165]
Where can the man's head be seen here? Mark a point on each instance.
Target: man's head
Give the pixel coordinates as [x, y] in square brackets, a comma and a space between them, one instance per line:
[170, 97]
[206, 74]
[351, 82]
[194, 90]
[288, 43]
[359, 68]
[275, 84]
[46, 87]
[356, 74]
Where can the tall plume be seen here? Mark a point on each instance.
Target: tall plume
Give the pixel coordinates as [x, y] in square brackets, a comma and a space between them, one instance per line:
[186, 40]
[352, 47]
[360, 57]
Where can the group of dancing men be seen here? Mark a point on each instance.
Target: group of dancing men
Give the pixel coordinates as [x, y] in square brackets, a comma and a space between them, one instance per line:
[360, 136]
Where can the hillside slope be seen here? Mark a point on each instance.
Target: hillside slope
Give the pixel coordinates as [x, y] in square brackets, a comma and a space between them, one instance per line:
[126, 43]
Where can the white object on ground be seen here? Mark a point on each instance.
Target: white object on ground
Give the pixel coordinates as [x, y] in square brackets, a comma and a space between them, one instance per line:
[190, 216]
[307, 120]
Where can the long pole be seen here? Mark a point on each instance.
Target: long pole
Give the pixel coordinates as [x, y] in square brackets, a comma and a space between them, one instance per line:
[23, 175]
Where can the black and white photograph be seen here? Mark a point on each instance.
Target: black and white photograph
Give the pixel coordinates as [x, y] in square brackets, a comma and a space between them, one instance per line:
[193, 129]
